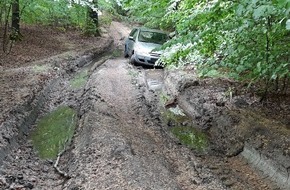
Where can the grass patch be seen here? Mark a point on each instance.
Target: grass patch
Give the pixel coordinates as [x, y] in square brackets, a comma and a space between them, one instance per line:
[41, 68]
[191, 137]
[54, 131]
[106, 19]
[133, 74]
[117, 53]
[80, 79]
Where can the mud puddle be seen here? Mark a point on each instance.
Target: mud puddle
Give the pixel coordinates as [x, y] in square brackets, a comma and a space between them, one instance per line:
[153, 79]
[182, 128]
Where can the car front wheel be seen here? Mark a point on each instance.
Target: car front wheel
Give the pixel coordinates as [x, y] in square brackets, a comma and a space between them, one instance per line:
[126, 52]
[132, 59]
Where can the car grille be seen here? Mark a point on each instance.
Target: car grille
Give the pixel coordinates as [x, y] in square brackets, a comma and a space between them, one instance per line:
[154, 54]
[152, 60]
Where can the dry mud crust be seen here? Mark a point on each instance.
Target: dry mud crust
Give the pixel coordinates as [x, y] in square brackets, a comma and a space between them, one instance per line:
[24, 90]
[119, 146]
[234, 124]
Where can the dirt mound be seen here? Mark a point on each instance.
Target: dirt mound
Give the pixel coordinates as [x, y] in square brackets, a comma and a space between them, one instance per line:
[236, 122]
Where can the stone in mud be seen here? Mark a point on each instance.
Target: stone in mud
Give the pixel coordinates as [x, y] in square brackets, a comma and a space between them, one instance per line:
[229, 182]
[29, 185]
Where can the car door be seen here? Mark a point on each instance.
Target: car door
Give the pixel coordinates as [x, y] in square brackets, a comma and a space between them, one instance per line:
[131, 40]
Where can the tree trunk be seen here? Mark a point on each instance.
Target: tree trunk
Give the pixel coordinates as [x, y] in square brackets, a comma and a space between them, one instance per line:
[94, 16]
[15, 35]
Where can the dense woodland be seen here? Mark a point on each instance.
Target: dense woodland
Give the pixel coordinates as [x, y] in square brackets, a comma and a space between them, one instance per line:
[247, 40]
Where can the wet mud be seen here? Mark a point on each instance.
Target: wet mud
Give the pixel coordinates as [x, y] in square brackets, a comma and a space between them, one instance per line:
[129, 134]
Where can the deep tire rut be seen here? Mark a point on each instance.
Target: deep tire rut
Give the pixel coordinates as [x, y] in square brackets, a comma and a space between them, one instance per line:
[119, 145]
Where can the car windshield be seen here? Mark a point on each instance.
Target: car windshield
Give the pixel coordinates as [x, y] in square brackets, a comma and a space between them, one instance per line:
[152, 37]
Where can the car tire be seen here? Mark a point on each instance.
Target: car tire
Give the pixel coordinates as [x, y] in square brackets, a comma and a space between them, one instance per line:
[132, 59]
[126, 55]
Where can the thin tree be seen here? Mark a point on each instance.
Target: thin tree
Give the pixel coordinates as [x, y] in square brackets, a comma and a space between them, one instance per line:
[15, 34]
[93, 14]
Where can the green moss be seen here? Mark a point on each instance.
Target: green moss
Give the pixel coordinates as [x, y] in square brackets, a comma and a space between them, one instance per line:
[117, 53]
[169, 116]
[53, 132]
[80, 79]
[163, 98]
[182, 128]
[191, 137]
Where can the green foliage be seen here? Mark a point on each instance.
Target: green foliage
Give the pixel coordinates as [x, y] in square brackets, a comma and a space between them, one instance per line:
[54, 131]
[106, 19]
[150, 12]
[45, 12]
[257, 47]
[113, 7]
[90, 29]
[63, 13]
[246, 40]
[56, 13]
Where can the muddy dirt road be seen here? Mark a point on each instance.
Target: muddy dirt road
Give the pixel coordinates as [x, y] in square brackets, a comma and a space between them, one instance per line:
[121, 140]
[120, 146]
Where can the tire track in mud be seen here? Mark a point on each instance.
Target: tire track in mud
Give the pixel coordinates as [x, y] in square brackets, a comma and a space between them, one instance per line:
[119, 145]
[21, 168]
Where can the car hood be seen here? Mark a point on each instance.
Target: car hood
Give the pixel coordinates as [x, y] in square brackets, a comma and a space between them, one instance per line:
[147, 47]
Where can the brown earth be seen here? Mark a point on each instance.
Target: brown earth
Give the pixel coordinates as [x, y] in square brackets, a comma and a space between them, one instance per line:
[239, 126]
[40, 42]
[117, 106]
[36, 59]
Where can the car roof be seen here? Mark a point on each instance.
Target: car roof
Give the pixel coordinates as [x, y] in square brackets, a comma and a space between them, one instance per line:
[151, 30]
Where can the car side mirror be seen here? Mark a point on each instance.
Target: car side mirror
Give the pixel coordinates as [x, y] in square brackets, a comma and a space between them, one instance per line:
[131, 38]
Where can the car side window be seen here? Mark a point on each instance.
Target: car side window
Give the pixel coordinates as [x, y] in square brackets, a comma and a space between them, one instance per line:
[135, 35]
[133, 32]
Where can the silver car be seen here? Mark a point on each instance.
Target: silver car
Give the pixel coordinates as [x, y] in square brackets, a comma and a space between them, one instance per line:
[141, 46]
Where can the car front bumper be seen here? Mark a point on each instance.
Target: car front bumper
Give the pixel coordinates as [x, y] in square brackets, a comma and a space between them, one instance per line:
[145, 59]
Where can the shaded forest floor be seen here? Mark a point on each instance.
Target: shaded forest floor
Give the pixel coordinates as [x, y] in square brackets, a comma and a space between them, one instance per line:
[36, 59]
[42, 42]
